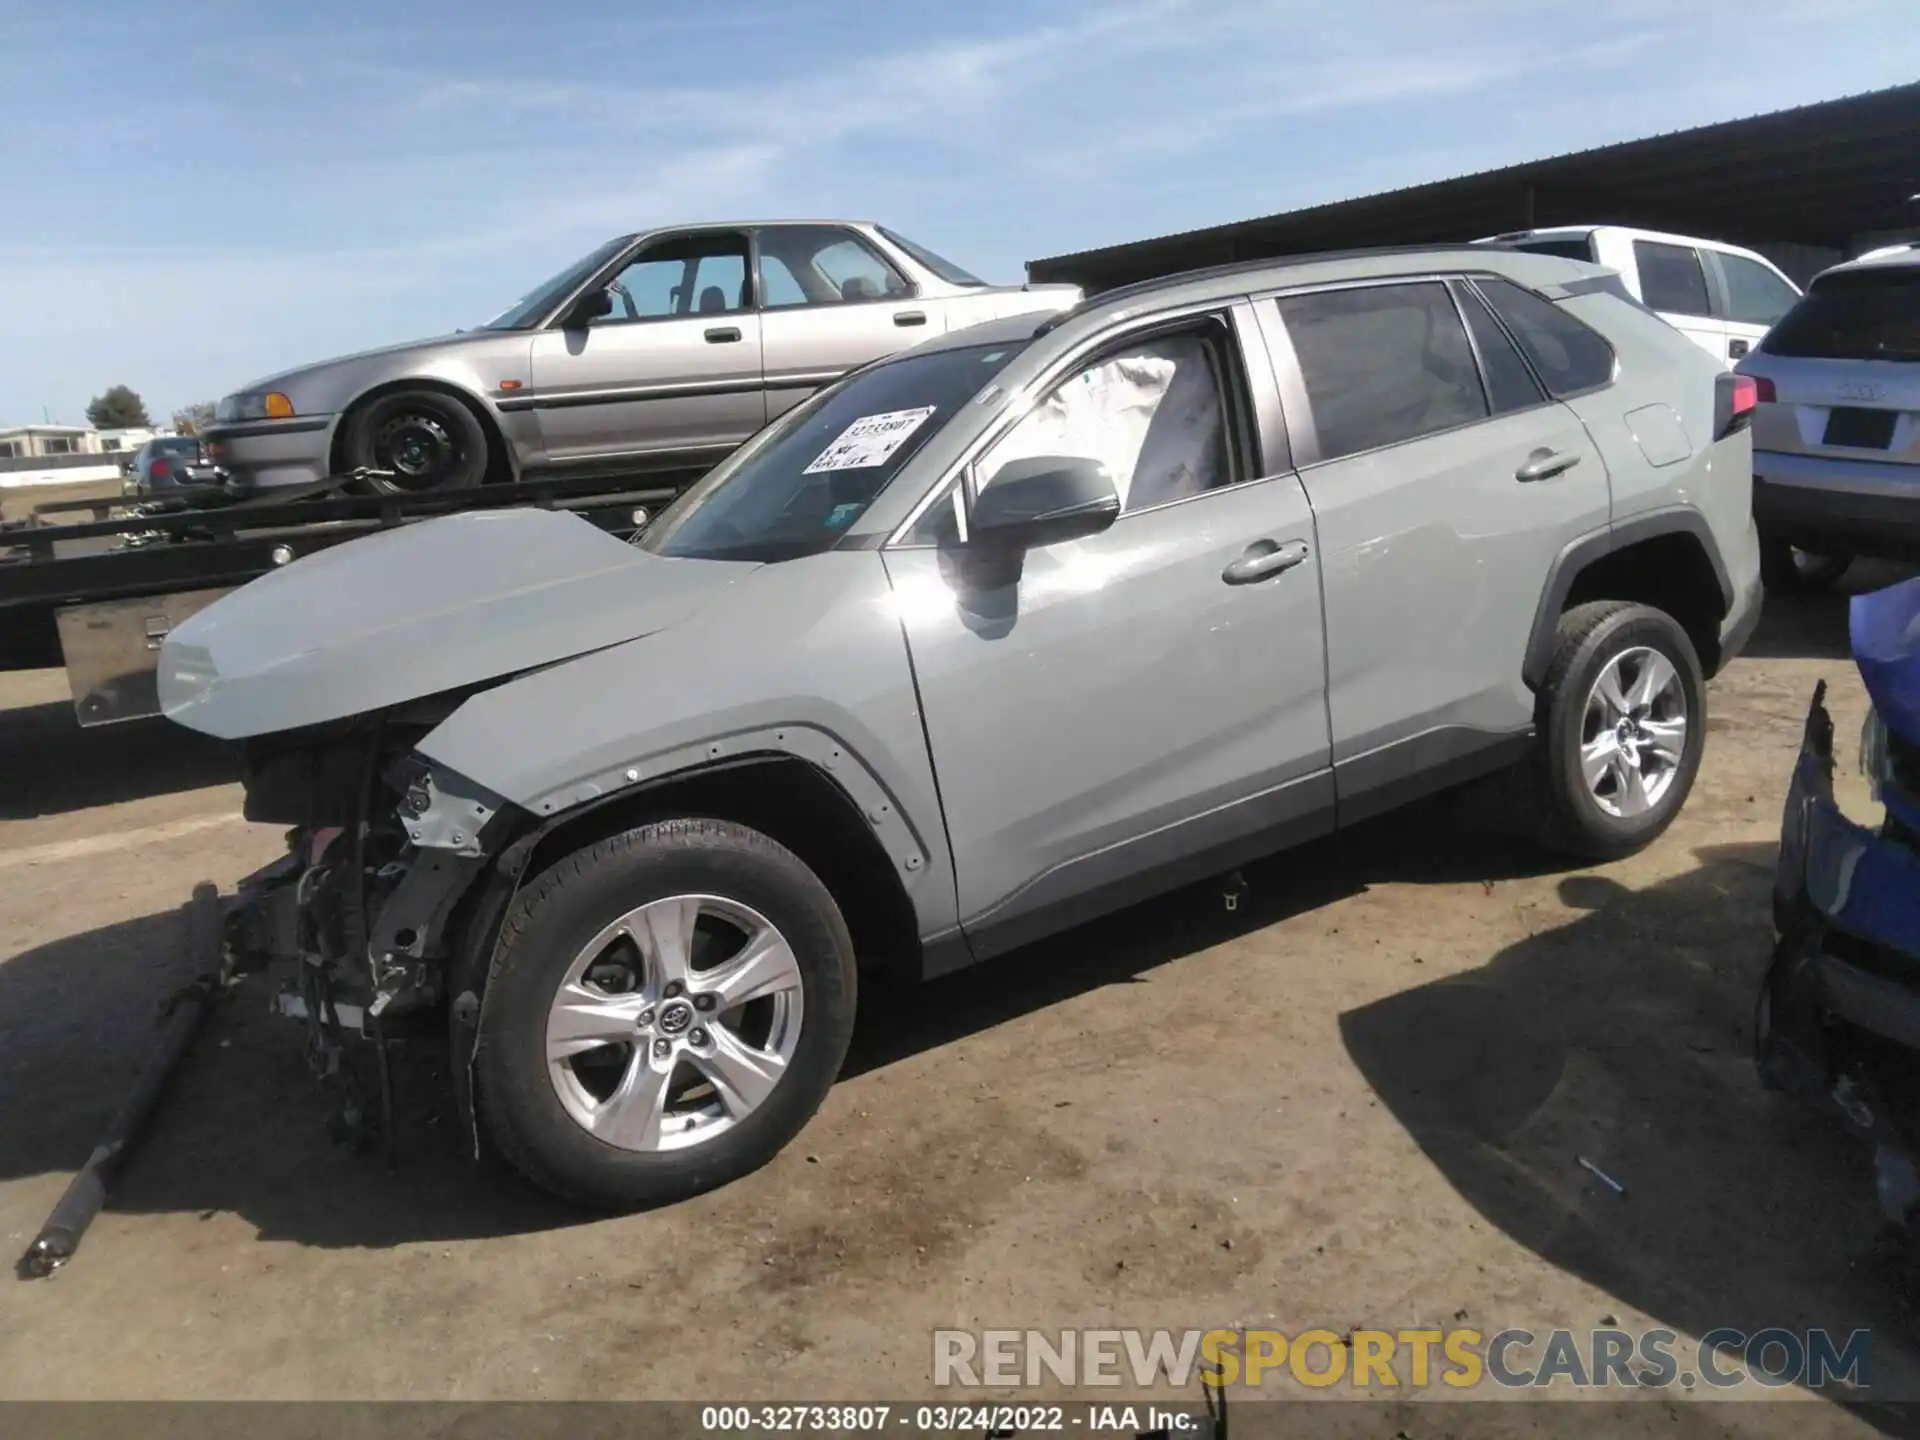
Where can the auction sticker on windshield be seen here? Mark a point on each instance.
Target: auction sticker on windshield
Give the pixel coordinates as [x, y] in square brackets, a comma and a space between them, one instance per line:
[870, 440]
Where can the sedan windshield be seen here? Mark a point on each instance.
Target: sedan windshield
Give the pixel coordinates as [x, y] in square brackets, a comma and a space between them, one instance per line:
[938, 264]
[795, 488]
[536, 303]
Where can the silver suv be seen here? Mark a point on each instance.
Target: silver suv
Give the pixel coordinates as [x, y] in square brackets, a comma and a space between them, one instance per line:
[1029, 623]
[1837, 434]
[666, 348]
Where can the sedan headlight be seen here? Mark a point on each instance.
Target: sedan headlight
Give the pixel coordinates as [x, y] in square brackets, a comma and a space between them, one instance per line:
[254, 405]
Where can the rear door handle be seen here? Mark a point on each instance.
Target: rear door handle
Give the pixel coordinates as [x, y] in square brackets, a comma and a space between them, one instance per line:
[1544, 464]
[1264, 558]
[723, 335]
[910, 317]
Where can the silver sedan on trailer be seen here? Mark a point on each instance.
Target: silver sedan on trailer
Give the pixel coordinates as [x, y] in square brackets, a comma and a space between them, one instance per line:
[661, 349]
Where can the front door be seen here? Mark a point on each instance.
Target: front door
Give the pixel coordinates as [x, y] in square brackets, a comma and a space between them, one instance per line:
[672, 369]
[1756, 296]
[1141, 707]
[830, 303]
[1444, 481]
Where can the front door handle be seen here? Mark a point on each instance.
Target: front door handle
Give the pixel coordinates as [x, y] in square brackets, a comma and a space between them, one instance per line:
[723, 335]
[910, 317]
[1544, 464]
[1736, 349]
[1264, 558]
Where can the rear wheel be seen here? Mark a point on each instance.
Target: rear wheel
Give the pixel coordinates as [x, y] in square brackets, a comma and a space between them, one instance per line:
[1787, 568]
[1620, 728]
[667, 1009]
[422, 442]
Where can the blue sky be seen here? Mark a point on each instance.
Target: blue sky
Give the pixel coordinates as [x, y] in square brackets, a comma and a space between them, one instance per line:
[200, 192]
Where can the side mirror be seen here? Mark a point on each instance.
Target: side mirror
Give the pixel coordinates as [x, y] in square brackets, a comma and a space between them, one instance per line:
[589, 307]
[1043, 500]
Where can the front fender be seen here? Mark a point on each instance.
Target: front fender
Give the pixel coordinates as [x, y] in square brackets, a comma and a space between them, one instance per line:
[804, 659]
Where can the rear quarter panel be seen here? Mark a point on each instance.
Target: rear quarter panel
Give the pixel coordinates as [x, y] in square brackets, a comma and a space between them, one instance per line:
[1659, 367]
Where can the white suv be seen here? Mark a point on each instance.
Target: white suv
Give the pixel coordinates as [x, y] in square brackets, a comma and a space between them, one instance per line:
[1718, 295]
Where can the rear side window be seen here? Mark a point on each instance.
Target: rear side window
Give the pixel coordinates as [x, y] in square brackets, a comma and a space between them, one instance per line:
[1755, 295]
[1567, 355]
[1509, 386]
[1855, 315]
[1671, 278]
[1382, 364]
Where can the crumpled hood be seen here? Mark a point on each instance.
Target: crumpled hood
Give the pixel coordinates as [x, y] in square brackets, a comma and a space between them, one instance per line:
[416, 611]
[1884, 627]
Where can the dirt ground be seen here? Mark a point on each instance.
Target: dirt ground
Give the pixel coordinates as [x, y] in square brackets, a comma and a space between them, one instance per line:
[1360, 1100]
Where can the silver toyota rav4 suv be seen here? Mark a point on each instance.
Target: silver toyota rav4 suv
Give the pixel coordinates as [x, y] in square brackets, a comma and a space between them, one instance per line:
[661, 349]
[1026, 624]
[1836, 437]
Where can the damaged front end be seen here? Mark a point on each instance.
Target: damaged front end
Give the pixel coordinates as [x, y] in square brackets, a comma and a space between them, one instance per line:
[376, 920]
[1838, 1019]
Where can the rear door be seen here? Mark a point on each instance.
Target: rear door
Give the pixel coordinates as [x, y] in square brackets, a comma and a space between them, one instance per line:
[1444, 481]
[830, 302]
[672, 369]
[1753, 297]
[1672, 282]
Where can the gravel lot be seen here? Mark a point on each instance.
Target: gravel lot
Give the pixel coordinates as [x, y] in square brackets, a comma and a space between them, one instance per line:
[1359, 1100]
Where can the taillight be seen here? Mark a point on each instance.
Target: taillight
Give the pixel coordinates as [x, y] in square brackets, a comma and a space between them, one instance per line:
[1764, 392]
[1734, 399]
[159, 470]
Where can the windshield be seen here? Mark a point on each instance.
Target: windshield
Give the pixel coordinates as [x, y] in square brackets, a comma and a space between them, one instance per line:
[795, 489]
[939, 265]
[1854, 315]
[537, 302]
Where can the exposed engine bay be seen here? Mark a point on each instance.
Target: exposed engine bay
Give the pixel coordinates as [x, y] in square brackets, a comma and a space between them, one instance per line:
[366, 918]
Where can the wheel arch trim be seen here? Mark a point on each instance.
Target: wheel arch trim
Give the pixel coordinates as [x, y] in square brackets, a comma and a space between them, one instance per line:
[1587, 550]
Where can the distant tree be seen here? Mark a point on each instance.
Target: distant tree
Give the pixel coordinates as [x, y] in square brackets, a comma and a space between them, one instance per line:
[118, 409]
[193, 419]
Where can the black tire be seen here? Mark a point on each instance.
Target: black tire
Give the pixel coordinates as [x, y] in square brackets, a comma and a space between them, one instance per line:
[1587, 639]
[1792, 571]
[429, 441]
[557, 914]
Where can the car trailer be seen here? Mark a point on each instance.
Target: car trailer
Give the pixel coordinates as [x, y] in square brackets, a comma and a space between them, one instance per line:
[98, 596]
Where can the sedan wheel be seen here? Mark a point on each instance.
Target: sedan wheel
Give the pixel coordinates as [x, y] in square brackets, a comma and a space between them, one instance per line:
[417, 442]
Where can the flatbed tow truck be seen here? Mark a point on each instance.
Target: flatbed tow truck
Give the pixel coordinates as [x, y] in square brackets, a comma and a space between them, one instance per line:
[94, 586]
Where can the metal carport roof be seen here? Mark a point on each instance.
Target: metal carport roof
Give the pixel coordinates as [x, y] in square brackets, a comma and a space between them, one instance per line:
[1818, 176]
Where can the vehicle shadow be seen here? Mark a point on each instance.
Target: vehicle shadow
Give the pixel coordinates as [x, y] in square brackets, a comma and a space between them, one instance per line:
[1623, 1041]
[1814, 627]
[244, 1126]
[53, 766]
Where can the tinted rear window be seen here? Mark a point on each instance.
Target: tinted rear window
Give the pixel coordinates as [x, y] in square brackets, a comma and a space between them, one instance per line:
[1855, 315]
[1581, 249]
[1567, 356]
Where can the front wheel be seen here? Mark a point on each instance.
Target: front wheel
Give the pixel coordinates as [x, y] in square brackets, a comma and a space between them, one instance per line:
[666, 1010]
[1621, 725]
[1787, 568]
[421, 442]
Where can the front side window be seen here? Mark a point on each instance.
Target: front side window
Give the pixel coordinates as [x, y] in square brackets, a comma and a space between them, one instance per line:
[823, 265]
[796, 488]
[1383, 364]
[1153, 414]
[1755, 295]
[1671, 279]
[1567, 355]
[703, 274]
